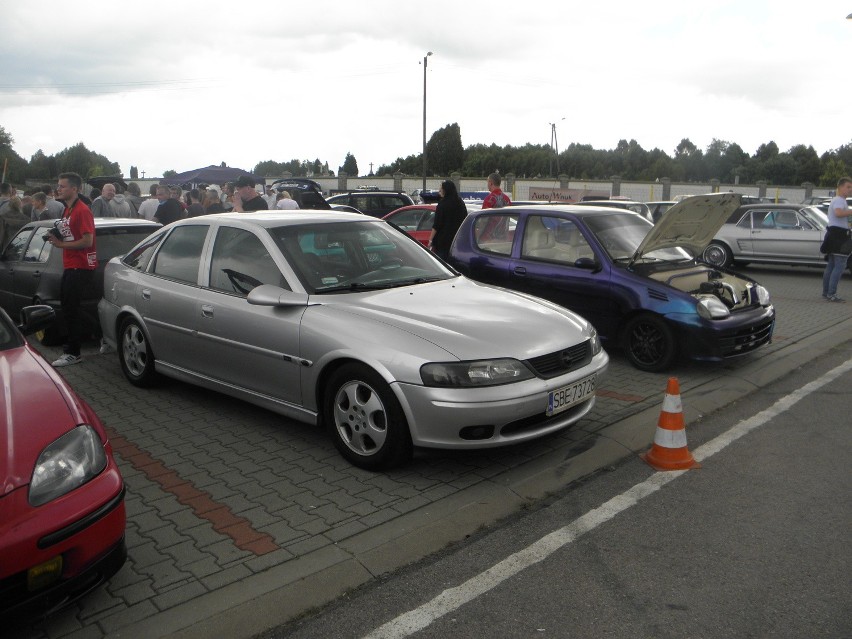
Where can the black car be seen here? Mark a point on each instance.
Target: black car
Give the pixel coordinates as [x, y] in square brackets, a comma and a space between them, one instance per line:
[31, 271]
[306, 193]
[372, 202]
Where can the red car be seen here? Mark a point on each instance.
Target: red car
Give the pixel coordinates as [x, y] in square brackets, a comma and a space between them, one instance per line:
[416, 220]
[62, 515]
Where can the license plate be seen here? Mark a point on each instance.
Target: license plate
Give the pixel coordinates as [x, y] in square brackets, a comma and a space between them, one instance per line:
[565, 397]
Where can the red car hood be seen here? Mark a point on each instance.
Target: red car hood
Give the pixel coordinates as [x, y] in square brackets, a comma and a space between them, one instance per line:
[36, 408]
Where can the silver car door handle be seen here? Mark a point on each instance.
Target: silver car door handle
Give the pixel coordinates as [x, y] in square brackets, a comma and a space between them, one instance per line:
[206, 310]
[146, 293]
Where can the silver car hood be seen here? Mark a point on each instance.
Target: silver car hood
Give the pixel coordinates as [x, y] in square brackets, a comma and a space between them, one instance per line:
[467, 319]
[690, 224]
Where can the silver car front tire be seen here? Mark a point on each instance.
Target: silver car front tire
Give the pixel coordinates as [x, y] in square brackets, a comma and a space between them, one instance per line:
[365, 419]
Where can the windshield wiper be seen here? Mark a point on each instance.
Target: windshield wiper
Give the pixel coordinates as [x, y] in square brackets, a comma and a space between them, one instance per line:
[353, 286]
[358, 286]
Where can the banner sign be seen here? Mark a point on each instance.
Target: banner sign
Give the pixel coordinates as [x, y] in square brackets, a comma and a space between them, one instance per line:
[565, 195]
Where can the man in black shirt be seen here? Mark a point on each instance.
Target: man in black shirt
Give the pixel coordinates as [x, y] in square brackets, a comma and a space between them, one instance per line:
[246, 198]
[169, 209]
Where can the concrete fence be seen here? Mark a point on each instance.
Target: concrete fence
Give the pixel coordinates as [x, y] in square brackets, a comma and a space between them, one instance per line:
[562, 189]
[567, 189]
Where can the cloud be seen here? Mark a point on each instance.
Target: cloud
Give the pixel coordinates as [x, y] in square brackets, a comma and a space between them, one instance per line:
[165, 86]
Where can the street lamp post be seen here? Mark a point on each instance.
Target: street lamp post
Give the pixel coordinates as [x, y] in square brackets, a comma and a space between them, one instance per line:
[425, 63]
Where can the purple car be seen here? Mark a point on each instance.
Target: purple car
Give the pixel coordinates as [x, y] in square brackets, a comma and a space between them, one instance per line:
[641, 286]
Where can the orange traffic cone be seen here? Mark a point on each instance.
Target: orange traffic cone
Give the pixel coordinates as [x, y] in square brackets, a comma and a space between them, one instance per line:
[669, 451]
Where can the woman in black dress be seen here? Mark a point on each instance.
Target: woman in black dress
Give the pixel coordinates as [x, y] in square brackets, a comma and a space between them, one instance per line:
[449, 215]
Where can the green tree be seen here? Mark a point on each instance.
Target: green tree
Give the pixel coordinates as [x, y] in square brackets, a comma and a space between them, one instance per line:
[350, 165]
[40, 166]
[691, 160]
[269, 168]
[834, 168]
[766, 151]
[807, 161]
[444, 151]
[6, 138]
[15, 166]
[134, 173]
[169, 173]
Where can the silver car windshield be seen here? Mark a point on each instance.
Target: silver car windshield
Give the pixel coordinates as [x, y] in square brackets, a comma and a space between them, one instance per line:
[814, 215]
[621, 235]
[355, 256]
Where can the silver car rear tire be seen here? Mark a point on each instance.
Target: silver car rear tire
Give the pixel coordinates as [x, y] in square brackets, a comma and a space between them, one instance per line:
[365, 419]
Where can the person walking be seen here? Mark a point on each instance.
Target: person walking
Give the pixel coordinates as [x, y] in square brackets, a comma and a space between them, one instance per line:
[76, 238]
[449, 215]
[836, 234]
[496, 198]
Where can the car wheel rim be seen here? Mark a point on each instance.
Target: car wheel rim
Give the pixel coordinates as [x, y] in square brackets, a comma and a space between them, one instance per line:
[134, 350]
[715, 255]
[647, 344]
[360, 418]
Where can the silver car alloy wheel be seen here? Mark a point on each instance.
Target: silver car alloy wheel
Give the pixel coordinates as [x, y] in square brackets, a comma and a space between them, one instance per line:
[134, 350]
[360, 418]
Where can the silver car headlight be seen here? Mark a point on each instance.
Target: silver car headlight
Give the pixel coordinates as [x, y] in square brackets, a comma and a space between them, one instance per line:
[762, 295]
[66, 464]
[712, 308]
[485, 372]
[595, 341]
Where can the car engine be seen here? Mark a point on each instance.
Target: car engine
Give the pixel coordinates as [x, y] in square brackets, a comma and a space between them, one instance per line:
[734, 292]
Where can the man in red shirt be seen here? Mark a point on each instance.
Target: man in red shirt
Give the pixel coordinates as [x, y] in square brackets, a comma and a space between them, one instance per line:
[496, 198]
[75, 236]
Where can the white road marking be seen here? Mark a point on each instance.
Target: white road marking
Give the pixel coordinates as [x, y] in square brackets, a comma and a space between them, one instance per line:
[453, 598]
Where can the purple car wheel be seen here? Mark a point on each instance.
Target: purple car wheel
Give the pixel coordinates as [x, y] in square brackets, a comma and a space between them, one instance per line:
[649, 343]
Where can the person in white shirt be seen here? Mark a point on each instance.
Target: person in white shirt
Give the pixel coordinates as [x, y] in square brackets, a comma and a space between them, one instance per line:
[286, 202]
[148, 208]
[836, 234]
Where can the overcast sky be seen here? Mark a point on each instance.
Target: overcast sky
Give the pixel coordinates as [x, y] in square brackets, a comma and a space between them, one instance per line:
[185, 84]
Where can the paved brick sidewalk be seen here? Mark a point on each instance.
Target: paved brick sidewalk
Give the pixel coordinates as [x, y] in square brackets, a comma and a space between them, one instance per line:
[239, 519]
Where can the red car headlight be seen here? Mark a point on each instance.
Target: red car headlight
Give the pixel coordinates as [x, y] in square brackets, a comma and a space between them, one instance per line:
[66, 464]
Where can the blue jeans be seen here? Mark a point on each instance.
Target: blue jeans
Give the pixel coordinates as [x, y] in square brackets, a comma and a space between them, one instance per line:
[833, 271]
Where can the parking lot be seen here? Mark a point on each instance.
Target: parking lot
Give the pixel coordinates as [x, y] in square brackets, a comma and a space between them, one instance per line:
[233, 510]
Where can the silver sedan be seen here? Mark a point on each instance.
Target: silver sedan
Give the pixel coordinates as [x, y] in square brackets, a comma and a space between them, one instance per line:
[341, 320]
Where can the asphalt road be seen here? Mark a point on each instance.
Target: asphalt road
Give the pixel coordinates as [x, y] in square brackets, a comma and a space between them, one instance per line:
[753, 544]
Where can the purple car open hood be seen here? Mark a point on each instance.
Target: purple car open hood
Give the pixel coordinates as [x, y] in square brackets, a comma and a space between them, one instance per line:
[690, 224]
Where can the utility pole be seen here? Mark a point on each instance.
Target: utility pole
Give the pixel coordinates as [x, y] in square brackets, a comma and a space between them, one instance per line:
[555, 145]
[425, 64]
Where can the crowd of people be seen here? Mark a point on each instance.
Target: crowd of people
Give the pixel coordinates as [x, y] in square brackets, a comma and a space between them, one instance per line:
[164, 204]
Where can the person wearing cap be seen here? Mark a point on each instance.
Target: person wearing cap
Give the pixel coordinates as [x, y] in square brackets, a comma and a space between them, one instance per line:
[246, 198]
